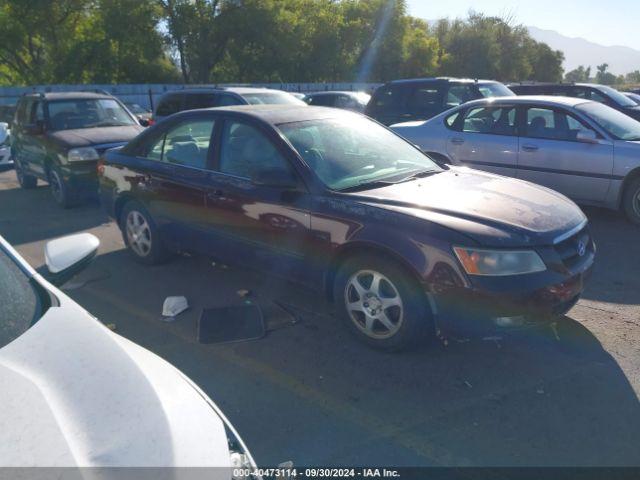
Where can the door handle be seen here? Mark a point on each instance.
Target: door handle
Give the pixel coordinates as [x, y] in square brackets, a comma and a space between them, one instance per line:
[215, 194]
[457, 140]
[530, 148]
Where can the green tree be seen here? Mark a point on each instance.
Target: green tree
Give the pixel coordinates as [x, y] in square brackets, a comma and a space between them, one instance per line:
[603, 76]
[579, 74]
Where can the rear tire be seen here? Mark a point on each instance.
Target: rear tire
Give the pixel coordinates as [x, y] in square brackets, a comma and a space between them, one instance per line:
[141, 236]
[631, 201]
[25, 180]
[381, 304]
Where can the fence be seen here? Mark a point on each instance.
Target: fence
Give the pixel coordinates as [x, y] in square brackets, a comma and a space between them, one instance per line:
[146, 95]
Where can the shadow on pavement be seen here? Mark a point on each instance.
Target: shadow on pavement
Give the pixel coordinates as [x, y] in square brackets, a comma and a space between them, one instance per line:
[31, 215]
[618, 246]
[313, 394]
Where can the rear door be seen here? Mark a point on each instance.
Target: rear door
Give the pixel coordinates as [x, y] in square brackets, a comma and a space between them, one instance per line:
[485, 138]
[34, 151]
[389, 104]
[172, 179]
[550, 154]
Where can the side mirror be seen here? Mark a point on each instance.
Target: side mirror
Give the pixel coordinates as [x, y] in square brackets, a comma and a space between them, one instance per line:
[587, 136]
[276, 178]
[4, 132]
[67, 256]
[143, 122]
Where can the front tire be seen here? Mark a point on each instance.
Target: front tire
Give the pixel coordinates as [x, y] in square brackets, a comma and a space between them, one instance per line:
[25, 180]
[60, 190]
[381, 304]
[631, 201]
[141, 236]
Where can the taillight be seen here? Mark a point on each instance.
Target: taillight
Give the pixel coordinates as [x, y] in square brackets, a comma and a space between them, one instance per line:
[100, 166]
[151, 121]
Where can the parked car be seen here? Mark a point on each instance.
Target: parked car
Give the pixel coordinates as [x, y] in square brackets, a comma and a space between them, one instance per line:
[5, 145]
[633, 96]
[581, 148]
[587, 91]
[76, 394]
[332, 199]
[7, 112]
[420, 99]
[58, 137]
[142, 114]
[194, 98]
[355, 101]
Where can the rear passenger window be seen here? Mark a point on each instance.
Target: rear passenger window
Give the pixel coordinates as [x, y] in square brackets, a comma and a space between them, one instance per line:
[459, 94]
[425, 98]
[194, 101]
[186, 144]
[491, 120]
[390, 96]
[322, 101]
[169, 105]
[225, 100]
[245, 150]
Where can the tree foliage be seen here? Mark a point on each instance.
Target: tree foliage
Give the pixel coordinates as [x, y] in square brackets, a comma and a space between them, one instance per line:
[203, 41]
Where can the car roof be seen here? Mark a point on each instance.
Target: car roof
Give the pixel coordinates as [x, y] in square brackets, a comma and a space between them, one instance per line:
[440, 79]
[238, 90]
[69, 95]
[542, 99]
[334, 92]
[279, 114]
[555, 84]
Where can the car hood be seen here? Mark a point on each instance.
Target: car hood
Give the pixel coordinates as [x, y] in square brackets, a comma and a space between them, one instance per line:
[76, 394]
[492, 209]
[87, 137]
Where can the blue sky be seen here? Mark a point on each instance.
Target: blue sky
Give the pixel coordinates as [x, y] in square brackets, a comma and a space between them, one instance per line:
[608, 22]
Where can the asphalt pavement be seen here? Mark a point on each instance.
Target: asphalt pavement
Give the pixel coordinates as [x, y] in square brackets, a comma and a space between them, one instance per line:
[310, 393]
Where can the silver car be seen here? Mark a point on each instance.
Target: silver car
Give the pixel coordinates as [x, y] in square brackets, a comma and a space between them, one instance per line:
[583, 149]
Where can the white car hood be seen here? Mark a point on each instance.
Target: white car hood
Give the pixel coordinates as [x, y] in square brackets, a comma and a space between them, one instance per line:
[73, 393]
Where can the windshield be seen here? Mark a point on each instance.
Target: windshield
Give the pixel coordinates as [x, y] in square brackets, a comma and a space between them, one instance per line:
[19, 304]
[349, 151]
[617, 124]
[494, 90]
[87, 113]
[271, 98]
[616, 96]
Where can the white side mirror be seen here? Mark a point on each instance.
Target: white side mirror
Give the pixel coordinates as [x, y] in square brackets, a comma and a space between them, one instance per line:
[4, 132]
[67, 256]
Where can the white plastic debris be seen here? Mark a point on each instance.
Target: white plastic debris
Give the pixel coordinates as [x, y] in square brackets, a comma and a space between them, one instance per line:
[174, 306]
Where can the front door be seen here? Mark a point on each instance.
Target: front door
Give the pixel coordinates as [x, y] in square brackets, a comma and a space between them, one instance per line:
[486, 139]
[33, 152]
[551, 155]
[263, 226]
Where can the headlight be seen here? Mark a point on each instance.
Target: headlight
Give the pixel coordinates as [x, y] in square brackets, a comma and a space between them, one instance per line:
[82, 154]
[499, 262]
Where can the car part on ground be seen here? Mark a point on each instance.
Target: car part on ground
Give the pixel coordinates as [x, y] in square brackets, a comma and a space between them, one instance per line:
[311, 193]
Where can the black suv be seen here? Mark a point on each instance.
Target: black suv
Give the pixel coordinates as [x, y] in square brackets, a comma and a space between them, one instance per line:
[589, 91]
[58, 138]
[423, 98]
[195, 98]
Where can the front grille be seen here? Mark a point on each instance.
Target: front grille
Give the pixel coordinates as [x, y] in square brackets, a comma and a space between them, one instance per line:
[569, 249]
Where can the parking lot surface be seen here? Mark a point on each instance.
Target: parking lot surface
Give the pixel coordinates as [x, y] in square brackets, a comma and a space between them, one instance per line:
[310, 393]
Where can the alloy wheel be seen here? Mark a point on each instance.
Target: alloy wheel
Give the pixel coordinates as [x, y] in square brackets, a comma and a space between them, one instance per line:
[138, 233]
[374, 304]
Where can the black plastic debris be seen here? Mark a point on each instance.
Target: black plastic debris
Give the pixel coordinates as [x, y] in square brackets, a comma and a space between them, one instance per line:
[231, 324]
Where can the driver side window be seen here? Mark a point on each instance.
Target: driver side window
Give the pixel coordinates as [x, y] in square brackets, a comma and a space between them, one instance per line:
[245, 151]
